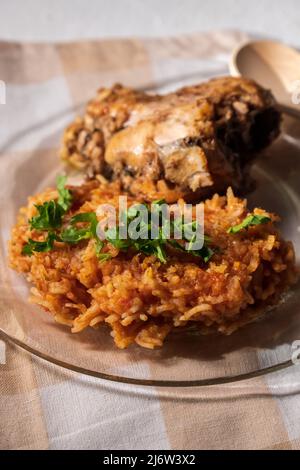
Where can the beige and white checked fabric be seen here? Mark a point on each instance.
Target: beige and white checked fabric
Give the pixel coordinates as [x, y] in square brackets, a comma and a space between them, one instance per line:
[45, 407]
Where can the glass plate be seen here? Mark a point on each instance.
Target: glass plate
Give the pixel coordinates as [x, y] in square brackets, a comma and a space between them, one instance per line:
[186, 359]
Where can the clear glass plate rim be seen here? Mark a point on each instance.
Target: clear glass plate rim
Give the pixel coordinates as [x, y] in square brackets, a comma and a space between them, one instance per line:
[146, 382]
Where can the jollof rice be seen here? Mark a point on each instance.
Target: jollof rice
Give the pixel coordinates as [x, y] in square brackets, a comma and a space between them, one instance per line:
[140, 298]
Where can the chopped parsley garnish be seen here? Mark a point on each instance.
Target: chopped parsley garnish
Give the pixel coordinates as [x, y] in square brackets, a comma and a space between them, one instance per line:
[73, 234]
[137, 220]
[64, 194]
[249, 221]
[205, 252]
[50, 214]
[142, 228]
[49, 218]
[142, 235]
[39, 246]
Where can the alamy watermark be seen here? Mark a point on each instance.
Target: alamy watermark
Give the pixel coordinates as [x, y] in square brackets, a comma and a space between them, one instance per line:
[296, 352]
[2, 352]
[177, 221]
[296, 92]
[2, 92]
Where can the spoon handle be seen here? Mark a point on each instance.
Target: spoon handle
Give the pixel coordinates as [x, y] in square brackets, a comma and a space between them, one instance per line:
[289, 110]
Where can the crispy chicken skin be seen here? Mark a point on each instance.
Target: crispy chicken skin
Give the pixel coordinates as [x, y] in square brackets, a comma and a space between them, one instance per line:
[190, 143]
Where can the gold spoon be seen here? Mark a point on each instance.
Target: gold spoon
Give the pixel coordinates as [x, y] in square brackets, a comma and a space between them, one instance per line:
[274, 66]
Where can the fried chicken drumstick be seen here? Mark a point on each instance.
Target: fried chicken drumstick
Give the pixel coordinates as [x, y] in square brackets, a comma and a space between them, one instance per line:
[191, 143]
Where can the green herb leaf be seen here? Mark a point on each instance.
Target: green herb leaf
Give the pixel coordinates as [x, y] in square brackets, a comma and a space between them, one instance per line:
[250, 220]
[87, 217]
[40, 246]
[160, 253]
[99, 245]
[159, 202]
[205, 253]
[176, 244]
[73, 234]
[104, 257]
[112, 235]
[64, 194]
[101, 256]
[49, 216]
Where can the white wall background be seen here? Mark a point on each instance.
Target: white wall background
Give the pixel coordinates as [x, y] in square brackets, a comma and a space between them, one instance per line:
[44, 20]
